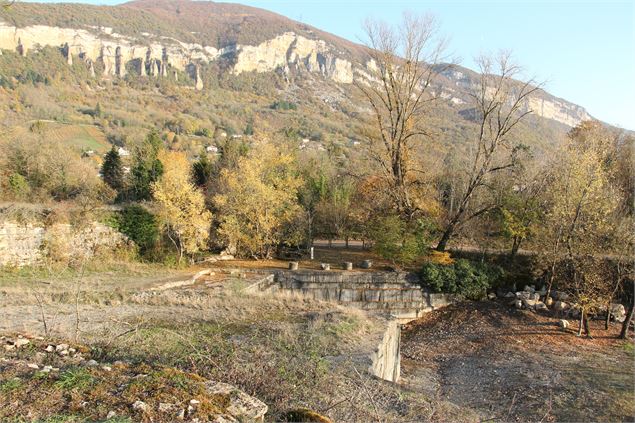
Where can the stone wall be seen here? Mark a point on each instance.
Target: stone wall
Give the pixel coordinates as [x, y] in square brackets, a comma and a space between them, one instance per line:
[28, 244]
[395, 293]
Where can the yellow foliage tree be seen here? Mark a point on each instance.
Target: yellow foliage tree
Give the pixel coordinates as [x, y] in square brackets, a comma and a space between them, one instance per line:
[258, 202]
[181, 205]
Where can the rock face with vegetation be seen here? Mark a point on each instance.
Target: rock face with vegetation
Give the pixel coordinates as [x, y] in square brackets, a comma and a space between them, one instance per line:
[30, 244]
[158, 50]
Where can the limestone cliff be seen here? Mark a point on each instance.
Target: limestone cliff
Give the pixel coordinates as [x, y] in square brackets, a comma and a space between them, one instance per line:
[158, 56]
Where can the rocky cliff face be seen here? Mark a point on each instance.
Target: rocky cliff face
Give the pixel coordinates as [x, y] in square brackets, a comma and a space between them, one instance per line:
[290, 52]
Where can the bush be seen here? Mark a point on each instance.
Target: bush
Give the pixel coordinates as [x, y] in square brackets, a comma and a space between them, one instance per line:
[139, 225]
[284, 105]
[398, 241]
[465, 278]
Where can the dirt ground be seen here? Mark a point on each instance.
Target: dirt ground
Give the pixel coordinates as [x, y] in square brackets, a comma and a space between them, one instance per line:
[510, 365]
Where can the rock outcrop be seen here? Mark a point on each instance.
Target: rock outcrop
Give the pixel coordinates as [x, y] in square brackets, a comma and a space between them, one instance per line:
[28, 244]
[287, 53]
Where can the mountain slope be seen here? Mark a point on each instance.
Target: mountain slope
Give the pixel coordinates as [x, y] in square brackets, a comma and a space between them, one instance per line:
[198, 44]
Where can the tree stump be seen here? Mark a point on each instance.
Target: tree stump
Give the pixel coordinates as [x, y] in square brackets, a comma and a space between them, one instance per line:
[293, 265]
[348, 265]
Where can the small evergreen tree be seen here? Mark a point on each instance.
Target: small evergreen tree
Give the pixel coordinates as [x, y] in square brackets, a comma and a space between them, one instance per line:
[202, 170]
[112, 170]
[146, 168]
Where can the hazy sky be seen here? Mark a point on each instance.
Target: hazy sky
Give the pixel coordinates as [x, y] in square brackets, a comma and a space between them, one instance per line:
[583, 50]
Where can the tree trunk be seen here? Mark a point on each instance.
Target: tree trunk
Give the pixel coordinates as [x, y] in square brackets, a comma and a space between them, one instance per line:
[608, 315]
[515, 246]
[629, 317]
[587, 328]
[580, 323]
[443, 243]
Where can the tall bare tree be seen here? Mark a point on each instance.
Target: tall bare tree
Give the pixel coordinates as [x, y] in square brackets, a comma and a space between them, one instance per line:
[404, 61]
[500, 103]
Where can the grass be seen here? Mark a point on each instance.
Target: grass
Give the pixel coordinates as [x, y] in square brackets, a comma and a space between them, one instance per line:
[11, 385]
[75, 379]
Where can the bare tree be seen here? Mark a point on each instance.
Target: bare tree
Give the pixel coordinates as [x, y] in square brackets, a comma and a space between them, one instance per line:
[500, 103]
[404, 61]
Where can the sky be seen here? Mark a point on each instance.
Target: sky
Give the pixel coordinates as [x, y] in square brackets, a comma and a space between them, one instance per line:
[584, 51]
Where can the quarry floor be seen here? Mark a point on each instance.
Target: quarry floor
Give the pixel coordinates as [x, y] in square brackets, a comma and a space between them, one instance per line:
[468, 362]
[507, 365]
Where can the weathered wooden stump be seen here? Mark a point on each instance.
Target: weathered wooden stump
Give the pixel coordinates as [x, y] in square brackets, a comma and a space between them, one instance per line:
[293, 265]
[325, 266]
[348, 265]
[367, 264]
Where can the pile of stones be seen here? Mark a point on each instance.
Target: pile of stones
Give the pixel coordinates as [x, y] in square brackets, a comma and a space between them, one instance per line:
[537, 300]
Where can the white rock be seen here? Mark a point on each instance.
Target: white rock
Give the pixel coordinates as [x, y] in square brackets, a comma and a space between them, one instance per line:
[61, 347]
[619, 312]
[107, 368]
[47, 369]
[560, 306]
[63, 352]
[510, 295]
[92, 363]
[194, 402]
[564, 324]
[518, 304]
[491, 296]
[9, 347]
[111, 414]
[549, 301]
[20, 342]
[140, 405]
[180, 415]
[163, 406]
[49, 348]
[535, 296]
[72, 350]
[540, 306]
[530, 304]
[32, 366]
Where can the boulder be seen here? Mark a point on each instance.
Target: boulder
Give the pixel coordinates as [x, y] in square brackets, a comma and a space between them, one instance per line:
[617, 311]
[325, 266]
[530, 289]
[535, 296]
[529, 304]
[560, 306]
[491, 296]
[241, 406]
[518, 304]
[540, 306]
[548, 301]
[523, 295]
[564, 324]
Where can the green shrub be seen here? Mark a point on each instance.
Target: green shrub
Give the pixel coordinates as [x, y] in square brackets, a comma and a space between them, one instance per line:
[140, 226]
[399, 241]
[465, 278]
[284, 105]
